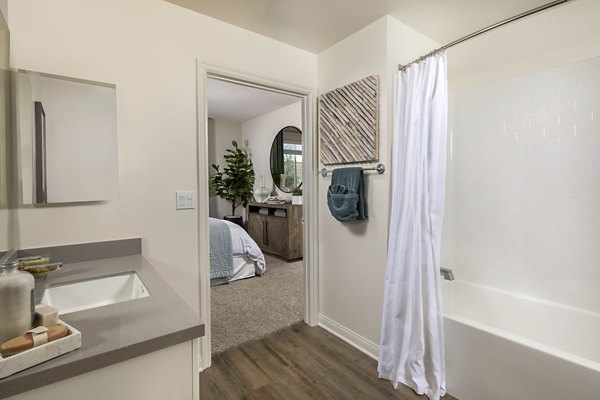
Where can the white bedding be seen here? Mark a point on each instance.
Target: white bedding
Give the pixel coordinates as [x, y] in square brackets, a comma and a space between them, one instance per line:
[243, 267]
[243, 245]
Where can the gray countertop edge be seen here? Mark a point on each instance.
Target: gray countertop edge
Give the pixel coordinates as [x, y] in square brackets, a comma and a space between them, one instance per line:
[115, 333]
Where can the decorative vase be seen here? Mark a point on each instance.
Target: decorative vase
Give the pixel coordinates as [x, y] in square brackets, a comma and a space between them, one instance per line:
[261, 194]
[282, 186]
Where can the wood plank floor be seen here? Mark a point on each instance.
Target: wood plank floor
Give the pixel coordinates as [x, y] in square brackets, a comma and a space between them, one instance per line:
[297, 363]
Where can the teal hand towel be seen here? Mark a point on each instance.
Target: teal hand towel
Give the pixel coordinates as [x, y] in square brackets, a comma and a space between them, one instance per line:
[346, 196]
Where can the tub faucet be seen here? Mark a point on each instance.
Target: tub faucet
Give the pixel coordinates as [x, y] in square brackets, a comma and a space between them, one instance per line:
[447, 274]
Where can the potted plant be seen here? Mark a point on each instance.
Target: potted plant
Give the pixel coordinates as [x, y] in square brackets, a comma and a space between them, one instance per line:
[235, 183]
[297, 195]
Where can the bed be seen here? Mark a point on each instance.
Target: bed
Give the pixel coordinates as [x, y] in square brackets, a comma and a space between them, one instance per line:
[234, 254]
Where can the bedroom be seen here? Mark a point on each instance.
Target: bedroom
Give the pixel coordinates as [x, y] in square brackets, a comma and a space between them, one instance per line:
[256, 248]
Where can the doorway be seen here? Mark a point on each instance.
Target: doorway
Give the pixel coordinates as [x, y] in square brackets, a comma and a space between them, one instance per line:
[305, 99]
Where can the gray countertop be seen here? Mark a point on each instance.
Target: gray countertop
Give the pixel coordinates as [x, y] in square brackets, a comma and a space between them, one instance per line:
[113, 333]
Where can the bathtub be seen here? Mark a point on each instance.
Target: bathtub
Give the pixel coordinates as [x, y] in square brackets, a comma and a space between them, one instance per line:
[502, 346]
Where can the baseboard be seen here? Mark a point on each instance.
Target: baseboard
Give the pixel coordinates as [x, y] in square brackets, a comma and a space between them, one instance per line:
[352, 338]
[200, 368]
[201, 364]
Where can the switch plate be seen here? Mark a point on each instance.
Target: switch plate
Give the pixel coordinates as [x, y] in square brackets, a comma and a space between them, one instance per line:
[185, 200]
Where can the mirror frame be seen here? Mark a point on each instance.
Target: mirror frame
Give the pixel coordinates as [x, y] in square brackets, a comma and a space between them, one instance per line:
[271, 156]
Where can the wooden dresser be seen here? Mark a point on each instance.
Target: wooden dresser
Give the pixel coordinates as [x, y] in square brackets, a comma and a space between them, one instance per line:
[278, 229]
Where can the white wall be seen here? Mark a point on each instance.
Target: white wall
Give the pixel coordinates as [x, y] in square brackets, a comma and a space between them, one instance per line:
[561, 35]
[148, 49]
[352, 257]
[259, 133]
[526, 198]
[220, 135]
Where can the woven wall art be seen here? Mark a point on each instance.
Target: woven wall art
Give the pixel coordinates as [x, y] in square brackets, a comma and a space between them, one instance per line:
[349, 121]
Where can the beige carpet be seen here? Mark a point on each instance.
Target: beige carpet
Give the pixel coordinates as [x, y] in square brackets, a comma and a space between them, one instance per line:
[252, 308]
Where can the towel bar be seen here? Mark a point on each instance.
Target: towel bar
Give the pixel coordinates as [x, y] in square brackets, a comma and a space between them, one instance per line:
[380, 168]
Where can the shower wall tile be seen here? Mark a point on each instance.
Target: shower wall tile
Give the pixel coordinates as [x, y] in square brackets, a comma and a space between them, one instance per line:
[524, 185]
[588, 128]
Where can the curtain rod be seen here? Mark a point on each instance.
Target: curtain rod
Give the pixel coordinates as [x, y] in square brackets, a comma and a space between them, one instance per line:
[484, 30]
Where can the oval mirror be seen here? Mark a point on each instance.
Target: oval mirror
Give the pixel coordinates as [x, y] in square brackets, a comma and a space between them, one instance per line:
[286, 159]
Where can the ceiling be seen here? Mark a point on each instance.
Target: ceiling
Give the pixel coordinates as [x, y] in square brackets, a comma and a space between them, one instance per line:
[315, 25]
[238, 103]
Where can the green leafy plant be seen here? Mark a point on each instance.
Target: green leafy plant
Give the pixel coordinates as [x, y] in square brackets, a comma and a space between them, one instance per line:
[297, 191]
[235, 182]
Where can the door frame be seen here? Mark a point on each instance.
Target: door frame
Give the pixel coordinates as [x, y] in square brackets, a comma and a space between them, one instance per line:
[309, 184]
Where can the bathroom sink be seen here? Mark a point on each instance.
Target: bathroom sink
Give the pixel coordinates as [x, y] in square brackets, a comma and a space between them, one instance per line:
[92, 293]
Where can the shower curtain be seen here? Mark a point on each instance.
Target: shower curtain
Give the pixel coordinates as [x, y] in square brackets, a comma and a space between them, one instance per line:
[412, 331]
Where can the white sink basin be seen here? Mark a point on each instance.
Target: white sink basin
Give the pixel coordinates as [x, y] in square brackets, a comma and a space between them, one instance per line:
[92, 293]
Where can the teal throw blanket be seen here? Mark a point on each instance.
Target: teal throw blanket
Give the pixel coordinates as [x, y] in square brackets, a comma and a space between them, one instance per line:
[221, 253]
[346, 195]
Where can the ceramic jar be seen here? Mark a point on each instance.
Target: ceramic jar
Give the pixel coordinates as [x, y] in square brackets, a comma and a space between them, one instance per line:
[17, 303]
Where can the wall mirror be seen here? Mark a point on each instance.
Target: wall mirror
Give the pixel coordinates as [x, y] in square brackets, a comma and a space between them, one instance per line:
[67, 130]
[286, 159]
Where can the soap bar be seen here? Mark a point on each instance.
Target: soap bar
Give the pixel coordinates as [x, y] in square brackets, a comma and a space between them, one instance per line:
[33, 260]
[46, 316]
[25, 342]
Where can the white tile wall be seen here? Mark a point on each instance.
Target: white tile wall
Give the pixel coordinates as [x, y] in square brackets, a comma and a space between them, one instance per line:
[524, 185]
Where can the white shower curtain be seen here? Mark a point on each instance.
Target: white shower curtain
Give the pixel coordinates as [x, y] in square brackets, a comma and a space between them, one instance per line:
[412, 331]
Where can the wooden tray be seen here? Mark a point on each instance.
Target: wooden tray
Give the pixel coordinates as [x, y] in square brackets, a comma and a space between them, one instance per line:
[38, 355]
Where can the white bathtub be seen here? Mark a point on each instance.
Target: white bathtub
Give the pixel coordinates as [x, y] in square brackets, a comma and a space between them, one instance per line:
[509, 347]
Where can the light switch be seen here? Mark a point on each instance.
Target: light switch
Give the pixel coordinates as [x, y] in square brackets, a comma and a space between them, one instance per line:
[185, 200]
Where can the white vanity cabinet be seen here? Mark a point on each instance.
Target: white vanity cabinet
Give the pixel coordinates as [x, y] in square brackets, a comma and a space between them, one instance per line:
[170, 373]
